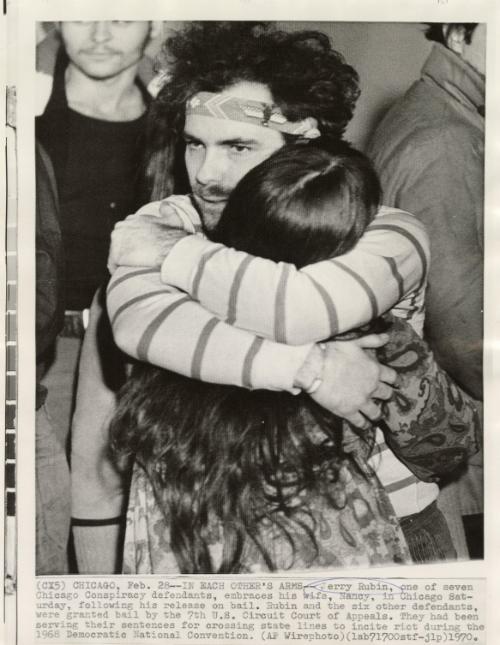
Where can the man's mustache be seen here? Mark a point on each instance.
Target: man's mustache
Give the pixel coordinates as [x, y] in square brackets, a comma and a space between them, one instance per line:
[214, 192]
[106, 51]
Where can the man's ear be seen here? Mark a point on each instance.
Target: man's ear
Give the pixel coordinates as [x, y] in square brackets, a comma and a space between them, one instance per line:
[454, 37]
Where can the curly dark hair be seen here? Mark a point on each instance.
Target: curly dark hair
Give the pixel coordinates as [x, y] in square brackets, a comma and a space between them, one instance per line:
[304, 74]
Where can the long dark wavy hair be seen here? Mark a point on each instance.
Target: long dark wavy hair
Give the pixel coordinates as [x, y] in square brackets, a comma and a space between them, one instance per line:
[237, 456]
[305, 75]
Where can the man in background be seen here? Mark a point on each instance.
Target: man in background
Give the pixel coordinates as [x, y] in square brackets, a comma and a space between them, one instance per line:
[429, 153]
[52, 473]
[92, 128]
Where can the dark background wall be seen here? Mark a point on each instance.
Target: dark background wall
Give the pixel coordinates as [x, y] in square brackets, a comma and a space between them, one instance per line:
[388, 58]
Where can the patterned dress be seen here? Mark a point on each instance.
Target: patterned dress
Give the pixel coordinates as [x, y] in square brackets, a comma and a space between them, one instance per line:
[364, 532]
[430, 424]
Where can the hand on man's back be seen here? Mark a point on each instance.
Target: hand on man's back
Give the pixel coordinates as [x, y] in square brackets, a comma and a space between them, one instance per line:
[144, 240]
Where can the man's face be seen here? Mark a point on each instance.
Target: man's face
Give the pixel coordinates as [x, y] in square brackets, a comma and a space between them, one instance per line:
[220, 152]
[104, 49]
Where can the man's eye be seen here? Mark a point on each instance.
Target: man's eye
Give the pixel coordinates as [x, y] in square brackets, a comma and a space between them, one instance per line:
[193, 145]
[240, 149]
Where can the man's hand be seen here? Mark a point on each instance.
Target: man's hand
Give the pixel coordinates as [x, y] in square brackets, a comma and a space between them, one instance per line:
[353, 382]
[144, 240]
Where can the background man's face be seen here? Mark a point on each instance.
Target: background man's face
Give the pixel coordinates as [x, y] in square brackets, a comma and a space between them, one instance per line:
[104, 49]
[219, 152]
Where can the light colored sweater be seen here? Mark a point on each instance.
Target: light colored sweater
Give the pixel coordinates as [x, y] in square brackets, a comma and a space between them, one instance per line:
[192, 317]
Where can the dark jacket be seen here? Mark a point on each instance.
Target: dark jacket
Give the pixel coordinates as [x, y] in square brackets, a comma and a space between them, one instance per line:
[49, 265]
[429, 153]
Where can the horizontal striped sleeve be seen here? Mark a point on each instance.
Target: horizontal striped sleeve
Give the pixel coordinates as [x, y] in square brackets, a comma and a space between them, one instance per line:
[235, 287]
[280, 308]
[246, 376]
[400, 484]
[114, 282]
[412, 239]
[201, 346]
[133, 301]
[317, 301]
[331, 309]
[407, 493]
[153, 326]
[397, 276]
[363, 284]
[201, 267]
[170, 330]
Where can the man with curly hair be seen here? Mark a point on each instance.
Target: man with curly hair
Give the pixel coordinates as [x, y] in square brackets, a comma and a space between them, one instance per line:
[233, 94]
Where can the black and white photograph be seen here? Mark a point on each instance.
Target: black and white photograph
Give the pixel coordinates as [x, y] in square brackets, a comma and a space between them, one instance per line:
[251, 257]
[276, 362]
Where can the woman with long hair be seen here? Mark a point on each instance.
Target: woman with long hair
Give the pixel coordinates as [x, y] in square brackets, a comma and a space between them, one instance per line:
[228, 480]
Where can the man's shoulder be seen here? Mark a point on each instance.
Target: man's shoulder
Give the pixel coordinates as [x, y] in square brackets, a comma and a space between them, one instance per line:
[180, 205]
[391, 221]
[390, 212]
[420, 124]
[43, 90]
[412, 110]
[152, 208]
[388, 215]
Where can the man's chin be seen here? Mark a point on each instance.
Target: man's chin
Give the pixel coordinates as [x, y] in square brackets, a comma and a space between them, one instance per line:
[210, 211]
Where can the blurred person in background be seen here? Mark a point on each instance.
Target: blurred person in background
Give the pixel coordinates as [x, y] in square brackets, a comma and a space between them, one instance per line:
[52, 472]
[91, 122]
[429, 153]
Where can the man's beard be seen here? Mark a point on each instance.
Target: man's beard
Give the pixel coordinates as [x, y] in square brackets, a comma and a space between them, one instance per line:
[210, 205]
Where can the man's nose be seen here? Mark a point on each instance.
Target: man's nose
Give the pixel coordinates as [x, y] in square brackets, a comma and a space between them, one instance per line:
[212, 168]
[101, 31]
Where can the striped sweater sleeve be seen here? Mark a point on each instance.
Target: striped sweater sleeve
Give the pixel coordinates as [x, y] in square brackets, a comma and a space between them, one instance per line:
[159, 324]
[386, 270]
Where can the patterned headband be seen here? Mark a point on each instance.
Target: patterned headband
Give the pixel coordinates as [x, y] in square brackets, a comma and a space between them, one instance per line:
[232, 108]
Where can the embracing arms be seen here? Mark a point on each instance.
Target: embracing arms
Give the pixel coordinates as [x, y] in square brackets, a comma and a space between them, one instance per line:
[154, 322]
[387, 268]
[163, 326]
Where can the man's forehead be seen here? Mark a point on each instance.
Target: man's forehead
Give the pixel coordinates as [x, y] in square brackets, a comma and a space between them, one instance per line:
[212, 130]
